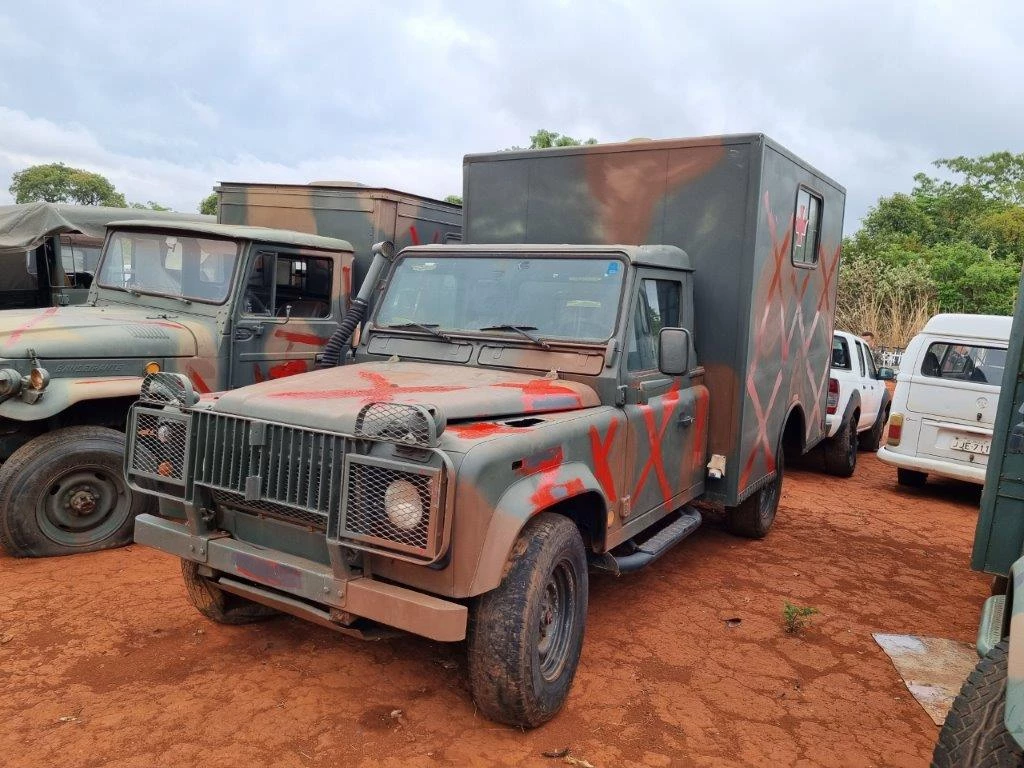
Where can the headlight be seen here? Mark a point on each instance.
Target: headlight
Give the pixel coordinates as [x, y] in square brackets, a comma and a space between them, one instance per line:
[168, 389]
[403, 505]
[38, 378]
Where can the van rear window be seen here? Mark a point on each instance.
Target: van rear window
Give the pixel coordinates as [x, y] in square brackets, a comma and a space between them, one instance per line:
[964, 363]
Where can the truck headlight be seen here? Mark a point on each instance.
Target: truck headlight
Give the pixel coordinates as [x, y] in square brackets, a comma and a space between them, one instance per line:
[403, 505]
[38, 378]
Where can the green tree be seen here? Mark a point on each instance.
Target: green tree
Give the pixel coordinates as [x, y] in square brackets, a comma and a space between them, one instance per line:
[544, 139]
[208, 205]
[59, 183]
[453, 199]
[150, 206]
[999, 176]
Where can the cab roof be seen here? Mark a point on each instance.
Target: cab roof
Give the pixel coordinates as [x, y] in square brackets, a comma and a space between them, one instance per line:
[239, 232]
[664, 256]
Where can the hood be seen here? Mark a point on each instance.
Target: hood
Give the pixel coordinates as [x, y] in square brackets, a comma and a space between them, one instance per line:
[331, 399]
[92, 332]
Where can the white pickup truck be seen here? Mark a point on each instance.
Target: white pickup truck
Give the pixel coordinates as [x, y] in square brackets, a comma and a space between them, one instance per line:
[857, 406]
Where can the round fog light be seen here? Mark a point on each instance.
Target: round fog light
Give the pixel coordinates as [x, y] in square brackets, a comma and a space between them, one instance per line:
[402, 505]
[152, 367]
[38, 378]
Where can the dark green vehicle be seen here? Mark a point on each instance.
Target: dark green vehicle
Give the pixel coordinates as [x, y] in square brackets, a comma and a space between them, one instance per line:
[985, 727]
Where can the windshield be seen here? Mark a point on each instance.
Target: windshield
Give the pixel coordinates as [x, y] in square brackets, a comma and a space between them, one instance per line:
[183, 266]
[553, 298]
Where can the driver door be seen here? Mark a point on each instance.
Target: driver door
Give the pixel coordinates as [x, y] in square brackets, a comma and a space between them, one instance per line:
[287, 310]
[661, 411]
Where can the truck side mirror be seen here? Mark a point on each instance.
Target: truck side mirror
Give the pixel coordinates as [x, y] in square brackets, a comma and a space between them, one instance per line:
[886, 374]
[674, 351]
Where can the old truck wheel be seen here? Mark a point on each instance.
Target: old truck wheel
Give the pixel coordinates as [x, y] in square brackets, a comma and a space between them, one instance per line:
[840, 451]
[64, 492]
[911, 478]
[974, 734]
[525, 636]
[216, 604]
[754, 516]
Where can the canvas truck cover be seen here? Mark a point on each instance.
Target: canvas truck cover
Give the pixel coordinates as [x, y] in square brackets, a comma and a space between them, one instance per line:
[353, 212]
[24, 227]
[740, 207]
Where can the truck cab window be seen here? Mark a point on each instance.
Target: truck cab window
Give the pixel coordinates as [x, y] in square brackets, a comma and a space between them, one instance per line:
[281, 280]
[657, 307]
[806, 227]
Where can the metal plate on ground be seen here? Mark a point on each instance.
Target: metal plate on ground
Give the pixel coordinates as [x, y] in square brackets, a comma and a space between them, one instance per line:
[932, 668]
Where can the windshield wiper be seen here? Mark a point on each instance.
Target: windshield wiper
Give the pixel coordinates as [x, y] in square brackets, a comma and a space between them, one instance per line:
[522, 330]
[430, 328]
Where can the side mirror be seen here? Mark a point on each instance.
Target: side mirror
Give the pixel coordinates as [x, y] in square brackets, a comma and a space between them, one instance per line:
[674, 351]
[886, 374]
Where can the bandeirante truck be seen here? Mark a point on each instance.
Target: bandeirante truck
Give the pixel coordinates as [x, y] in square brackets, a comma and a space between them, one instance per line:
[985, 725]
[49, 251]
[518, 412]
[224, 304]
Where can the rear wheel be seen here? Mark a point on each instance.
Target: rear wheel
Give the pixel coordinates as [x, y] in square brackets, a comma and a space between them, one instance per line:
[755, 515]
[974, 734]
[911, 478]
[64, 492]
[525, 636]
[870, 440]
[839, 452]
[216, 604]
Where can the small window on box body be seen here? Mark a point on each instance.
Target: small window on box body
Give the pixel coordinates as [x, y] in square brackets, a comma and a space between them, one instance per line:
[806, 228]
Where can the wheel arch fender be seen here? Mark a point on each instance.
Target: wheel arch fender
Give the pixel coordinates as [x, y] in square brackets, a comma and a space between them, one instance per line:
[62, 394]
[574, 492]
[793, 438]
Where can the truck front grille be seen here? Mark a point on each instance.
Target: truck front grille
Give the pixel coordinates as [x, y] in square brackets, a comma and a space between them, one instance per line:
[270, 464]
[157, 460]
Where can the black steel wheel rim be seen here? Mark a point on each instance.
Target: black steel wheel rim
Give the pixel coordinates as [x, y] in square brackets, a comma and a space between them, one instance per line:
[82, 506]
[557, 624]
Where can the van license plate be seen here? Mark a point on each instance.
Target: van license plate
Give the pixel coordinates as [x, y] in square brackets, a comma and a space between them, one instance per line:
[971, 446]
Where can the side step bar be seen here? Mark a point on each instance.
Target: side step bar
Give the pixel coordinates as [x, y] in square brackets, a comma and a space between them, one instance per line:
[649, 550]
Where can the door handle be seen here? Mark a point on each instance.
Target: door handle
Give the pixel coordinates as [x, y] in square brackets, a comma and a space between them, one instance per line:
[684, 420]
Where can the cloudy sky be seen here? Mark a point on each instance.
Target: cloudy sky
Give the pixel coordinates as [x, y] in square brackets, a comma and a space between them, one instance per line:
[167, 100]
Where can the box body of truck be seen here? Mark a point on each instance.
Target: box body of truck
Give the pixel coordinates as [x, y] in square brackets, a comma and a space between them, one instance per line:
[763, 230]
[356, 213]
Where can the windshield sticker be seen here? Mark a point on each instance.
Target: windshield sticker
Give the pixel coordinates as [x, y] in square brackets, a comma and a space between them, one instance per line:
[613, 268]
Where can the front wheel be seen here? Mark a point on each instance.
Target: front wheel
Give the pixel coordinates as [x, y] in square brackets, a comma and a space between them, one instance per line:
[974, 734]
[526, 635]
[64, 492]
[216, 604]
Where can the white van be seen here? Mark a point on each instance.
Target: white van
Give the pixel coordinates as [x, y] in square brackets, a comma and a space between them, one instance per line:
[945, 400]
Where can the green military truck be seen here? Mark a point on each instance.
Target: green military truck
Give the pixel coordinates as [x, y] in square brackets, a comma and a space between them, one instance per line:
[49, 251]
[519, 412]
[225, 305]
[985, 726]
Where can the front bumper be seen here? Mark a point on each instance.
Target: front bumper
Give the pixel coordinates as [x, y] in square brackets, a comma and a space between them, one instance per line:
[269, 576]
[933, 466]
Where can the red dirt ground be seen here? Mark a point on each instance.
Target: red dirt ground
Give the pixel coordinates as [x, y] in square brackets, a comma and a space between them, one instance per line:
[105, 663]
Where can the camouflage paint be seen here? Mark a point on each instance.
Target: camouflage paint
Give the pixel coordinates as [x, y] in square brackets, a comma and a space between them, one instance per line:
[762, 326]
[359, 214]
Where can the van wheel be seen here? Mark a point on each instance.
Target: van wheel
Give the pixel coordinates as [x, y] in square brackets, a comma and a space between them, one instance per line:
[525, 636]
[64, 492]
[216, 604]
[870, 440]
[840, 451]
[974, 733]
[755, 515]
[911, 478]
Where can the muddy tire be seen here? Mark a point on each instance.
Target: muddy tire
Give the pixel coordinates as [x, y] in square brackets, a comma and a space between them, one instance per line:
[64, 492]
[870, 440]
[754, 517]
[839, 452]
[911, 478]
[525, 636]
[974, 734]
[216, 604]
